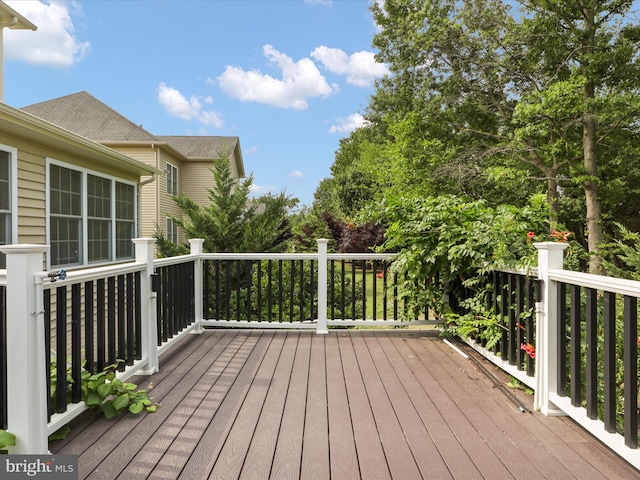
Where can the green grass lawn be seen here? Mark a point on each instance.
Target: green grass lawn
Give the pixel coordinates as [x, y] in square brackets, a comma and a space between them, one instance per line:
[369, 279]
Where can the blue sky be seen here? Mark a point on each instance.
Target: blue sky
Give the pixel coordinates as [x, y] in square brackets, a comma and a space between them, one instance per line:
[290, 78]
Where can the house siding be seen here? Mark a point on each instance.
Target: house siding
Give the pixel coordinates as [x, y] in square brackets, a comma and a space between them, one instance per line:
[31, 192]
[196, 178]
[149, 193]
[166, 204]
[32, 161]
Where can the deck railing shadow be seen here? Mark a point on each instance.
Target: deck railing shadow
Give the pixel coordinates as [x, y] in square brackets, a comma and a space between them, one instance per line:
[583, 328]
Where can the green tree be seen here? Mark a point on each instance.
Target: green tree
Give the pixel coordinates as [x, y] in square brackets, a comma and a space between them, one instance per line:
[232, 222]
[490, 93]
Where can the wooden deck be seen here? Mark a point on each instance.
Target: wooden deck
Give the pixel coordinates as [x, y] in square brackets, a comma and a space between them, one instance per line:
[374, 404]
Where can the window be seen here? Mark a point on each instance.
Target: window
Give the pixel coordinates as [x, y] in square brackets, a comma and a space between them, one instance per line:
[92, 218]
[172, 231]
[99, 217]
[125, 219]
[172, 180]
[7, 198]
[65, 204]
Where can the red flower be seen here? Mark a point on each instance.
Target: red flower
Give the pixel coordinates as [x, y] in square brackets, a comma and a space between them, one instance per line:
[519, 326]
[380, 275]
[531, 235]
[560, 236]
[530, 349]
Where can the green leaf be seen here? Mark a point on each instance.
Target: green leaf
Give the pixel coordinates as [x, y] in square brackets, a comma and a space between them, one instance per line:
[60, 434]
[121, 402]
[93, 399]
[6, 439]
[136, 407]
[108, 410]
[105, 390]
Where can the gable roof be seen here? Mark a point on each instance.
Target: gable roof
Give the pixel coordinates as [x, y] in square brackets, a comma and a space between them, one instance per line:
[199, 147]
[207, 148]
[85, 115]
[34, 129]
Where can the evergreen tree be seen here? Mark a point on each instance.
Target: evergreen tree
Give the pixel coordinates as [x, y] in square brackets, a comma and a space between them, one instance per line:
[232, 222]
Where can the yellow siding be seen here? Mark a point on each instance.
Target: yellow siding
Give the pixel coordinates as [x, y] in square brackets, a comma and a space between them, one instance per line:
[196, 178]
[145, 154]
[166, 204]
[149, 192]
[31, 206]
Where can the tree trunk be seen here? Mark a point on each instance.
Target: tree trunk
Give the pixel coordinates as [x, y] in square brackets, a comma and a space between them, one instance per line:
[589, 145]
[592, 194]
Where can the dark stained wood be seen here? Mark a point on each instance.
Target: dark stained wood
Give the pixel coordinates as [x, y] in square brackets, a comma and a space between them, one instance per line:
[371, 455]
[342, 447]
[354, 404]
[288, 455]
[315, 442]
[263, 444]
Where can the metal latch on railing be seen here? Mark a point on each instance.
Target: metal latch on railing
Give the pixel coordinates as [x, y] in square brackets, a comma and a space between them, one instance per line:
[60, 274]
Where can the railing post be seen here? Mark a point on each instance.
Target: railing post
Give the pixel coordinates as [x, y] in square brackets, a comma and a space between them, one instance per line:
[26, 364]
[321, 326]
[197, 249]
[144, 253]
[550, 256]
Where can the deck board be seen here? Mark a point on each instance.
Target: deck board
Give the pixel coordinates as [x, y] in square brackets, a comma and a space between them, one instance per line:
[354, 404]
[342, 449]
[263, 444]
[288, 456]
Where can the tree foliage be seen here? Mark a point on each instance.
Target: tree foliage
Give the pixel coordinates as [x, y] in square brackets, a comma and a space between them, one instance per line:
[232, 222]
[496, 101]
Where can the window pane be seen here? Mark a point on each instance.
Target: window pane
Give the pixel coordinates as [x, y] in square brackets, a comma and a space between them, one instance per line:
[5, 176]
[125, 201]
[99, 240]
[65, 191]
[65, 240]
[124, 234]
[98, 197]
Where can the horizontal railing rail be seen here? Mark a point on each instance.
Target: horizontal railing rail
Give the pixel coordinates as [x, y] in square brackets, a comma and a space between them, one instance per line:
[283, 290]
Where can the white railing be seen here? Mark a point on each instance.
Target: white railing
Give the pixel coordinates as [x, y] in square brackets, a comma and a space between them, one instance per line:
[26, 361]
[546, 382]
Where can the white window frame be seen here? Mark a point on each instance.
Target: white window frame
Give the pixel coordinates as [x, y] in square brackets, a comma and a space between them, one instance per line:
[84, 257]
[13, 192]
[173, 185]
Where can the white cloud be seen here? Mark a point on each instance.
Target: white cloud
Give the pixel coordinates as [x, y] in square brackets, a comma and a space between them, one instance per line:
[249, 150]
[360, 68]
[328, 3]
[300, 80]
[54, 43]
[179, 106]
[296, 174]
[260, 190]
[349, 124]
